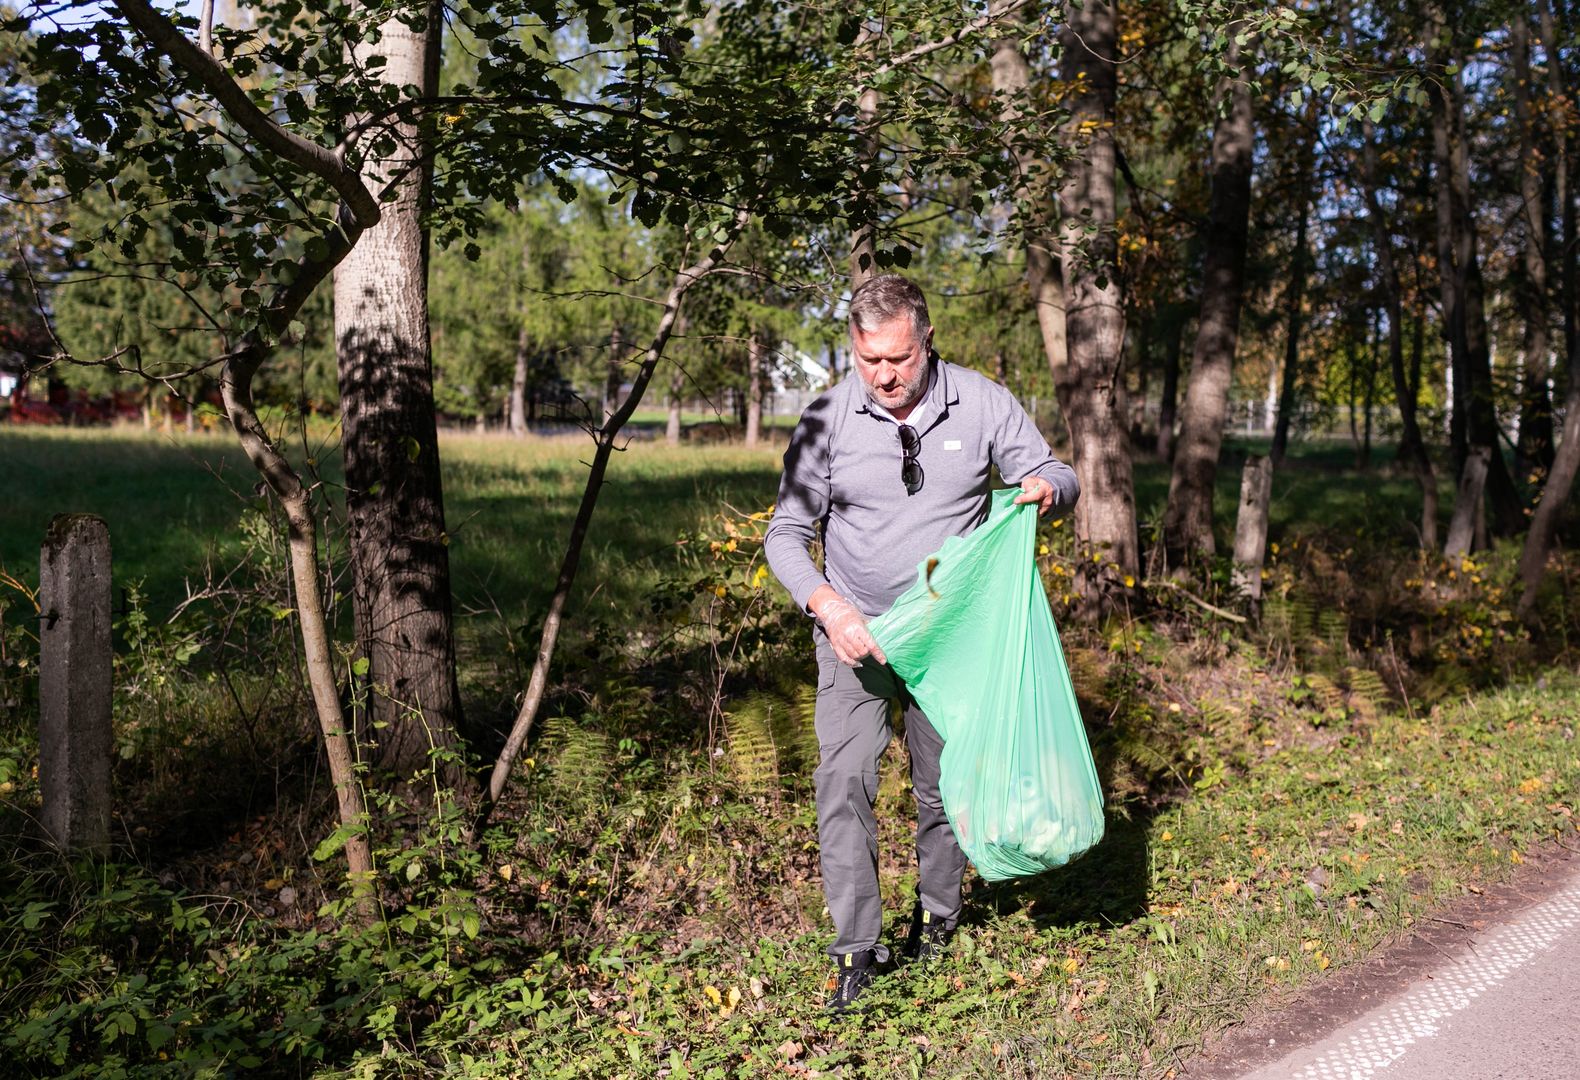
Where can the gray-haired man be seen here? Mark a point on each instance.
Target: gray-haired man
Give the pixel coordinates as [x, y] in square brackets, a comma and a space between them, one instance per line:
[890, 465]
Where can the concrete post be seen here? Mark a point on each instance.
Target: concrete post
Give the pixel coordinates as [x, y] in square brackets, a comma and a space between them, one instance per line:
[1468, 503]
[74, 738]
[1250, 531]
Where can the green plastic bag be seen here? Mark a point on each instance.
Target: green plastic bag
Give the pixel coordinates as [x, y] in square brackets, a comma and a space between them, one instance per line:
[974, 641]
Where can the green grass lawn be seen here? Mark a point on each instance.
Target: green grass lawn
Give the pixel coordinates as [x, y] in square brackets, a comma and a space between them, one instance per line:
[172, 501]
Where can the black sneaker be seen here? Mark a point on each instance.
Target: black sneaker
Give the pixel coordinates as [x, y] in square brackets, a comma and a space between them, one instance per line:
[856, 972]
[928, 936]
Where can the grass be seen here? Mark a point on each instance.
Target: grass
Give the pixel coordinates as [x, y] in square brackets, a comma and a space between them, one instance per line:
[1172, 929]
[648, 903]
[173, 500]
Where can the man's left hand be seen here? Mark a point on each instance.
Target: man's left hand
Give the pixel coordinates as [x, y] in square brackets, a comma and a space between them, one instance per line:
[1036, 489]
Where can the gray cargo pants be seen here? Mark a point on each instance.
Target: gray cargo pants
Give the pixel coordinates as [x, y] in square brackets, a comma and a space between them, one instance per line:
[853, 731]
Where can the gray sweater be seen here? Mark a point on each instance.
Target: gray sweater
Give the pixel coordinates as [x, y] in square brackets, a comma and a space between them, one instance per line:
[842, 472]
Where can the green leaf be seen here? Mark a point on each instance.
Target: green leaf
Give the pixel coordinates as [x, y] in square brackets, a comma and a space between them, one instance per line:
[414, 870]
[359, 666]
[331, 844]
[470, 924]
[413, 449]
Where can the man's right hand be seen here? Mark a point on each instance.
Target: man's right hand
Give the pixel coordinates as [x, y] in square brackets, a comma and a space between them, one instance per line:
[846, 628]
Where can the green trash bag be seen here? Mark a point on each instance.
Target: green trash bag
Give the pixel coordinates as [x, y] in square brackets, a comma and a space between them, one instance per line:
[974, 641]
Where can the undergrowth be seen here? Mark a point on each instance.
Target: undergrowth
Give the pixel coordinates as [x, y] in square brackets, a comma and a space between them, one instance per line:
[1283, 794]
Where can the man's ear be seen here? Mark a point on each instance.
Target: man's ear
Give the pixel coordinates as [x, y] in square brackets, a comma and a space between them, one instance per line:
[928, 344]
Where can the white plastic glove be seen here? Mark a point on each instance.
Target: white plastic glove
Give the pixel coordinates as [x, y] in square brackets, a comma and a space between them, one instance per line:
[847, 632]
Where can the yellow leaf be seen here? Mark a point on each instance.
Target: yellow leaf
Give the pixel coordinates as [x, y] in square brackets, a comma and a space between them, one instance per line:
[713, 994]
[1071, 966]
[1130, 581]
[507, 871]
[719, 591]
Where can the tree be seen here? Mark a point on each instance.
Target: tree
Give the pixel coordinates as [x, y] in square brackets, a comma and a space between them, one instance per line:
[1475, 421]
[1187, 521]
[1295, 290]
[1091, 383]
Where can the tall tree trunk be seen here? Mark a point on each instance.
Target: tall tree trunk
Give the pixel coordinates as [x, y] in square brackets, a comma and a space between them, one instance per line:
[1475, 420]
[1566, 462]
[1143, 366]
[1563, 196]
[1295, 294]
[756, 354]
[1351, 359]
[677, 388]
[1406, 385]
[1535, 446]
[1187, 520]
[1363, 457]
[614, 373]
[1044, 273]
[394, 498]
[1091, 384]
[1168, 403]
[517, 406]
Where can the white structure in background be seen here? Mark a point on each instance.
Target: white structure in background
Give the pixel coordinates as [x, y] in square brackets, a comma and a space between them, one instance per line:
[797, 378]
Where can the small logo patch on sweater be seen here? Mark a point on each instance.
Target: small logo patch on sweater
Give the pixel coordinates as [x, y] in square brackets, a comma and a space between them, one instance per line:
[951, 444]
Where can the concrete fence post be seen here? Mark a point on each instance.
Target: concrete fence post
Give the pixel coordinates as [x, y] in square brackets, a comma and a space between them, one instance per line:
[74, 738]
[1250, 531]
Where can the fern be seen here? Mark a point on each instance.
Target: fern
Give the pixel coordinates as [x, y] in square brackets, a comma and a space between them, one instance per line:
[580, 760]
[1287, 620]
[1333, 629]
[750, 751]
[1368, 692]
[1327, 696]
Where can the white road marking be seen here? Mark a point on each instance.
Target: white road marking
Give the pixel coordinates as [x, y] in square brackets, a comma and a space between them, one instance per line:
[1422, 1011]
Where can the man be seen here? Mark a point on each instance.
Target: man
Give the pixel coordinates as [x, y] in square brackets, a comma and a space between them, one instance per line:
[889, 464]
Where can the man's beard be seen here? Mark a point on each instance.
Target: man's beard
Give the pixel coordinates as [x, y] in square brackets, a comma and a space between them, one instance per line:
[907, 393]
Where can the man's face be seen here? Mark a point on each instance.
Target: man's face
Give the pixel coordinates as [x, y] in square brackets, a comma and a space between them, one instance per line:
[892, 362]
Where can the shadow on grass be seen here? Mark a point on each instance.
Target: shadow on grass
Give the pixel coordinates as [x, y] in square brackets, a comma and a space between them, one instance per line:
[1106, 886]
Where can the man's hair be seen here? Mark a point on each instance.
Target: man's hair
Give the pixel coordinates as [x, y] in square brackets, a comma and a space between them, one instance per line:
[885, 296]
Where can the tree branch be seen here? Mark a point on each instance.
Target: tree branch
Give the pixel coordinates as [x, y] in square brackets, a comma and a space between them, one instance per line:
[304, 153]
[606, 435]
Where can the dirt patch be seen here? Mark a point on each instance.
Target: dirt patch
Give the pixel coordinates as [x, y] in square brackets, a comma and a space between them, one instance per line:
[1434, 941]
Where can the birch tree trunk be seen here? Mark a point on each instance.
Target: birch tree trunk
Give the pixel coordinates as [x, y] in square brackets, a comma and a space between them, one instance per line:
[1187, 519]
[394, 498]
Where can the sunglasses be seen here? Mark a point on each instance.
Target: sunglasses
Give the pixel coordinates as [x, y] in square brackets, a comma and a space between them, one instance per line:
[910, 468]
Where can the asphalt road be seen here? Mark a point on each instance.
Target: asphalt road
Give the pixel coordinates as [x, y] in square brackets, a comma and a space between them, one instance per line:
[1502, 1008]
